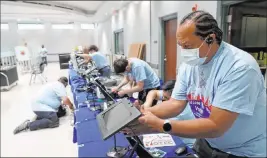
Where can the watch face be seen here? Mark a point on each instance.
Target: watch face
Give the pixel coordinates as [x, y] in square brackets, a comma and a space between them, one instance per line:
[167, 127]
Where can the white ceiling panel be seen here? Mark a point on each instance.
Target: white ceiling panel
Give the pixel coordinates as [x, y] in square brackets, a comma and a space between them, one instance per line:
[86, 5]
[14, 9]
[74, 11]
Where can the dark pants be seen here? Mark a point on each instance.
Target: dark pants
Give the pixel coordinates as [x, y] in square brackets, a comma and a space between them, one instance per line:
[47, 119]
[44, 60]
[105, 71]
[204, 150]
[142, 95]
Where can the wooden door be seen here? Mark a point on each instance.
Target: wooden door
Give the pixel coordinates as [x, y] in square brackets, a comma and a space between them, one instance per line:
[170, 27]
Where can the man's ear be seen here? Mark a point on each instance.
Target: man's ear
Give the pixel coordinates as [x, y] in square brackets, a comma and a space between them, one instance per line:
[128, 68]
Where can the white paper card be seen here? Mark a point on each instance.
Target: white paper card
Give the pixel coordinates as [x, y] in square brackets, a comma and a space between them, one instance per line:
[158, 140]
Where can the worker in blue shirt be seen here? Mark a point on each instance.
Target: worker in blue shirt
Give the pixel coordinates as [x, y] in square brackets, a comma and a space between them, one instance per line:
[224, 87]
[98, 58]
[47, 106]
[139, 72]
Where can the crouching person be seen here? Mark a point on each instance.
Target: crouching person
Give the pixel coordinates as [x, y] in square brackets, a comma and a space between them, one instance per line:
[47, 106]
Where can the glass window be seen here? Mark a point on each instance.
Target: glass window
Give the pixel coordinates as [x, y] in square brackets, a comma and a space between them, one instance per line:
[62, 26]
[119, 42]
[4, 27]
[30, 26]
[87, 26]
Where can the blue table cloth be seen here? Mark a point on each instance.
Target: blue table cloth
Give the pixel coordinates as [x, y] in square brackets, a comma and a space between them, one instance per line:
[100, 148]
[84, 114]
[86, 132]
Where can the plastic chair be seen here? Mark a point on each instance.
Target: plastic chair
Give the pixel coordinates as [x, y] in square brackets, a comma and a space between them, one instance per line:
[38, 70]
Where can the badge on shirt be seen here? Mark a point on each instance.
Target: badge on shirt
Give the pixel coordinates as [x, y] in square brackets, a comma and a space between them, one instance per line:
[199, 109]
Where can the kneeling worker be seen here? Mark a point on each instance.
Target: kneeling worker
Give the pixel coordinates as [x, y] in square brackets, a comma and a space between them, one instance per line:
[46, 106]
[139, 71]
[99, 59]
[164, 95]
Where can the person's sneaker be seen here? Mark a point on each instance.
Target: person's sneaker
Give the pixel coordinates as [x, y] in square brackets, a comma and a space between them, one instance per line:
[22, 127]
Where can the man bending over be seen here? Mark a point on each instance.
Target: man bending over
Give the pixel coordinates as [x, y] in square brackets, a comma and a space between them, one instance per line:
[46, 105]
[141, 73]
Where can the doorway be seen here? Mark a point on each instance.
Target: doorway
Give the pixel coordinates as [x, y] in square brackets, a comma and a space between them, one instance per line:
[170, 48]
[245, 27]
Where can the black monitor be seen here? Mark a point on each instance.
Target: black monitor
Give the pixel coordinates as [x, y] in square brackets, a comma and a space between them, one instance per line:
[116, 117]
[103, 90]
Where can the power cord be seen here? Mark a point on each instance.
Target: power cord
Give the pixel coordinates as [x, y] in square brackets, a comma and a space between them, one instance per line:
[138, 142]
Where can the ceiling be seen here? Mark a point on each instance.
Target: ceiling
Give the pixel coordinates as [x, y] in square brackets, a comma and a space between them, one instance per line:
[59, 11]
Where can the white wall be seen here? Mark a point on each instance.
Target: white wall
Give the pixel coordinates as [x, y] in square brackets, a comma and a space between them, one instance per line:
[161, 9]
[104, 37]
[56, 41]
[135, 20]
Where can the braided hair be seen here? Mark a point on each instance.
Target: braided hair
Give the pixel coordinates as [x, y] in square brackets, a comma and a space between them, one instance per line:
[205, 25]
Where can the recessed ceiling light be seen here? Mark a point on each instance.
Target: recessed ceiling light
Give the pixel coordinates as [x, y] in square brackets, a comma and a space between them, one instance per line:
[18, 19]
[106, 13]
[38, 19]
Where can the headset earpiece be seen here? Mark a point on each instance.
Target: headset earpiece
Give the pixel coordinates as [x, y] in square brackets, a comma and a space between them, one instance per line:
[209, 40]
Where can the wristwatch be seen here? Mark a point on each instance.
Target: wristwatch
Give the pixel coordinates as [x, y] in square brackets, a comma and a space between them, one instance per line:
[167, 127]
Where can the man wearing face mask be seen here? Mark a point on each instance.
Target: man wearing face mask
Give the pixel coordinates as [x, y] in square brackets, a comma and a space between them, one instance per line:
[224, 88]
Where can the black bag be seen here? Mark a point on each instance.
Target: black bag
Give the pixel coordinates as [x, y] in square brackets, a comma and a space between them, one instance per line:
[61, 112]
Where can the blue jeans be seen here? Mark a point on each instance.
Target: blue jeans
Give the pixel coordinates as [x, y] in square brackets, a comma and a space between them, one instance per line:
[105, 71]
[45, 119]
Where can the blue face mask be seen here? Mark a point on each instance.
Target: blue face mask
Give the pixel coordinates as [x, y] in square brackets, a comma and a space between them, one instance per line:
[191, 56]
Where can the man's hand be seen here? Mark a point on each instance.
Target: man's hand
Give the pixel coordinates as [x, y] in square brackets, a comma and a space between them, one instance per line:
[121, 93]
[114, 89]
[136, 128]
[151, 120]
[137, 104]
[72, 110]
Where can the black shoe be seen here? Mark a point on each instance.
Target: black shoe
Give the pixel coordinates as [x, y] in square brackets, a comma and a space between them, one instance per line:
[22, 127]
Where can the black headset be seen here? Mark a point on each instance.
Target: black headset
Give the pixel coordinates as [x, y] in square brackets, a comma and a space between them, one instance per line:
[209, 40]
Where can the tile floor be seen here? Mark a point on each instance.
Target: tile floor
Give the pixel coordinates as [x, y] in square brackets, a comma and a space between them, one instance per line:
[15, 108]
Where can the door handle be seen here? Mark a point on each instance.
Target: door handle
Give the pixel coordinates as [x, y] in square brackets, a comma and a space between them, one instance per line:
[165, 57]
